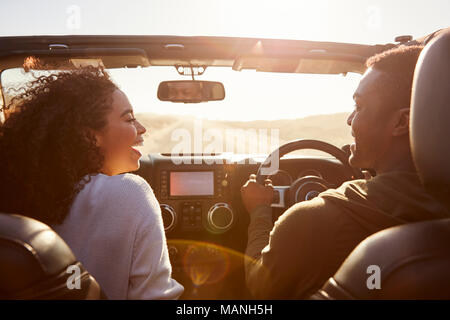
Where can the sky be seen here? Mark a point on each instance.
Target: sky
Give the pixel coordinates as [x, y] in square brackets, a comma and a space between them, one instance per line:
[267, 95]
[361, 21]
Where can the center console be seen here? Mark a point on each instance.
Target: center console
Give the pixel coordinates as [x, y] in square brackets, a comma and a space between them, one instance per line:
[195, 200]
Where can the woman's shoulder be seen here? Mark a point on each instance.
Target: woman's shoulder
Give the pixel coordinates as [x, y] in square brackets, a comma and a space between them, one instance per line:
[120, 183]
[122, 191]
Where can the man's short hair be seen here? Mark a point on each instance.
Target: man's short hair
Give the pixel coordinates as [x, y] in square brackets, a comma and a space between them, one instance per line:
[398, 64]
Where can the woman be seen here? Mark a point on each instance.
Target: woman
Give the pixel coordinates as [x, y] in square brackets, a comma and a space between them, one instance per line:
[65, 149]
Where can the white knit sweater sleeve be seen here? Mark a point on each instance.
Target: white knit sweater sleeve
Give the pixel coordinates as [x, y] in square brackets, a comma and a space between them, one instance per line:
[150, 270]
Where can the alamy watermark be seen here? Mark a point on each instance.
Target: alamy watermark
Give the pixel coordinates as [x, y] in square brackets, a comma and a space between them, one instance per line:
[374, 280]
[73, 281]
[73, 21]
[374, 17]
[215, 141]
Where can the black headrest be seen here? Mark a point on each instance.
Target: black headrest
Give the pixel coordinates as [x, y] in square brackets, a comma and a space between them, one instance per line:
[34, 262]
[430, 116]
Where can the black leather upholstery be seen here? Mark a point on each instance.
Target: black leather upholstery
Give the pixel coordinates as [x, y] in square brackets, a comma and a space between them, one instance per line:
[430, 117]
[414, 262]
[34, 262]
[414, 259]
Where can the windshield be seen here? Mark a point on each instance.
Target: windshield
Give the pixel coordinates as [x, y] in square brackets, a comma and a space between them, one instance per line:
[290, 106]
[251, 97]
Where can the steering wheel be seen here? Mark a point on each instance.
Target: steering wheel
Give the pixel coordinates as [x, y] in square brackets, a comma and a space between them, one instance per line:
[307, 187]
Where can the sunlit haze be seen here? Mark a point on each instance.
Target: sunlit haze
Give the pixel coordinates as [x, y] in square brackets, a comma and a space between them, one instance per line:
[250, 95]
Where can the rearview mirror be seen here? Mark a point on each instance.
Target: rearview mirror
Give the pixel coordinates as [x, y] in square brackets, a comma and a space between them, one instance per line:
[190, 91]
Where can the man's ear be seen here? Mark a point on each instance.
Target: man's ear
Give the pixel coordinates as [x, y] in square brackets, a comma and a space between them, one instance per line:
[401, 122]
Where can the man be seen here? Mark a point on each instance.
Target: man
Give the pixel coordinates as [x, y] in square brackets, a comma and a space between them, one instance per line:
[309, 242]
[185, 91]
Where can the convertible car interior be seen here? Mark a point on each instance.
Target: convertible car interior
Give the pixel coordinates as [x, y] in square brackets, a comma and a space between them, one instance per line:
[204, 218]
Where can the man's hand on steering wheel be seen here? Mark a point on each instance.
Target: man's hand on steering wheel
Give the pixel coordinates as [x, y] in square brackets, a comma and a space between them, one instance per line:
[254, 194]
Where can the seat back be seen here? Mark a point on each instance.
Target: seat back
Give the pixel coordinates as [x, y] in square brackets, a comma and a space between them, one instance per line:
[35, 263]
[412, 261]
[430, 117]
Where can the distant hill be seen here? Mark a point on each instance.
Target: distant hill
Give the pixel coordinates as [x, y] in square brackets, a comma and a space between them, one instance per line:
[331, 128]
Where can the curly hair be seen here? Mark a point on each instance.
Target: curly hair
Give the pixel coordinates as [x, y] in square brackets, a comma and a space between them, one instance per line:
[398, 64]
[48, 150]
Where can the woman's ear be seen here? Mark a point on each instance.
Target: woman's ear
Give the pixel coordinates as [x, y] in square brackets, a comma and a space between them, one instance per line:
[401, 126]
[98, 137]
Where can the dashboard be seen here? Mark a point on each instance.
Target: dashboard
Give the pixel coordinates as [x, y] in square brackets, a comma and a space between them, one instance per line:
[204, 217]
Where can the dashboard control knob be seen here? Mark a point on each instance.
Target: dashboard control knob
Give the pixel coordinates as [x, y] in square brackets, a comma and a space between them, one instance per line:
[309, 189]
[311, 195]
[220, 217]
[169, 217]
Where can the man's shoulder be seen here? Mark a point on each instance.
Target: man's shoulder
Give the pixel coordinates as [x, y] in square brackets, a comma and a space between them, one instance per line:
[330, 202]
[347, 190]
[306, 212]
[354, 195]
[383, 184]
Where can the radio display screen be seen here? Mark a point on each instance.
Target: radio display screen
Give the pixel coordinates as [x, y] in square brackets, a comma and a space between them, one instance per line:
[191, 183]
